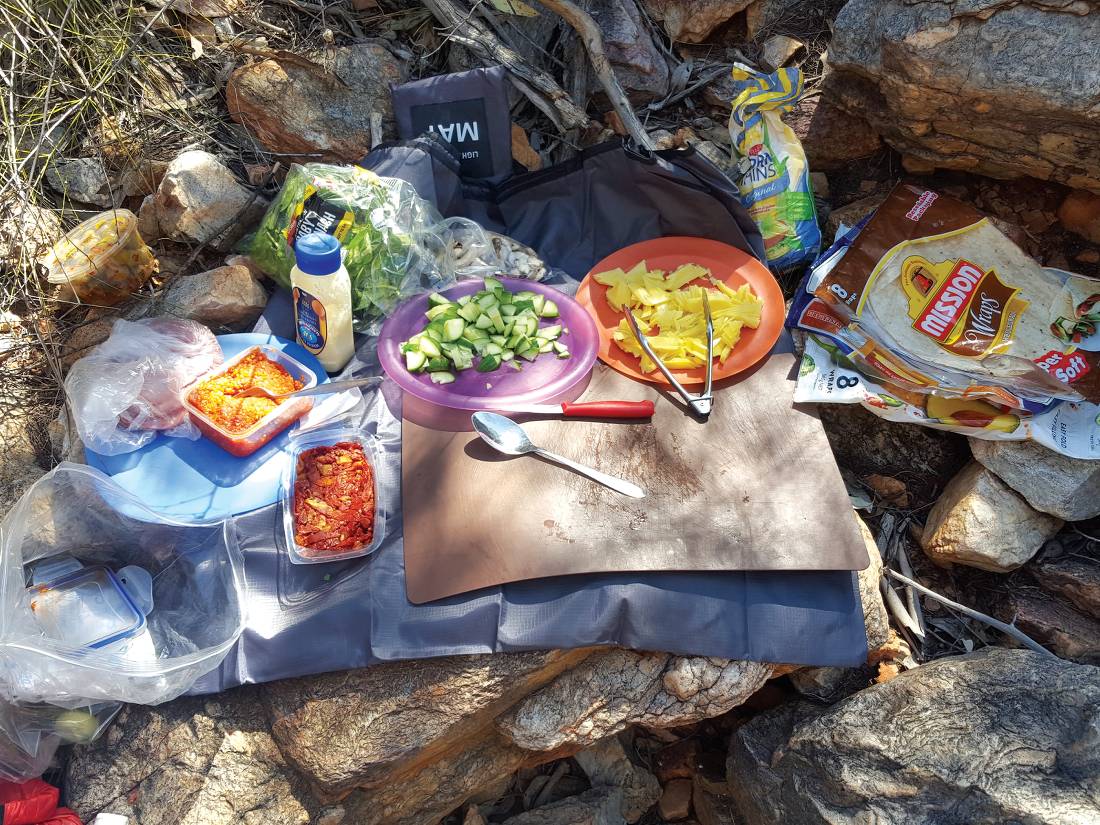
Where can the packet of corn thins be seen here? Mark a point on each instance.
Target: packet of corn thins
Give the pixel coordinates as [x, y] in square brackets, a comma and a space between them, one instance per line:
[774, 177]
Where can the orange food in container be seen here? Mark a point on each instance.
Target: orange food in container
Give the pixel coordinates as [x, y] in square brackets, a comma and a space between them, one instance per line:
[102, 261]
[239, 425]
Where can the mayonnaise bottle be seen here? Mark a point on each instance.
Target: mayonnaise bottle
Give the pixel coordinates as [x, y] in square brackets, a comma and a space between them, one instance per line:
[321, 291]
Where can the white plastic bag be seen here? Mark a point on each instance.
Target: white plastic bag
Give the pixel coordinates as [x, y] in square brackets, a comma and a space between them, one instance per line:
[128, 388]
[75, 514]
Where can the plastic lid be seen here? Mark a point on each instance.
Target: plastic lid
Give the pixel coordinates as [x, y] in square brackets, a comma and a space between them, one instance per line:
[85, 248]
[317, 254]
[89, 608]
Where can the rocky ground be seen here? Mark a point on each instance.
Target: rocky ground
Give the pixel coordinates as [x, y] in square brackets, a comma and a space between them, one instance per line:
[949, 721]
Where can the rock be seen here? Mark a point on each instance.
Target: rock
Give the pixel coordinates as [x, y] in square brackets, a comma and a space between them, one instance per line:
[615, 688]
[26, 232]
[828, 684]
[819, 183]
[875, 617]
[849, 215]
[712, 803]
[1080, 213]
[1053, 624]
[1068, 488]
[318, 106]
[224, 297]
[979, 521]
[675, 801]
[84, 338]
[607, 766]
[680, 760]
[473, 817]
[194, 761]
[779, 48]
[1073, 579]
[831, 137]
[994, 736]
[693, 21]
[638, 63]
[864, 444]
[599, 806]
[978, 89]
[363, 727]
[766, 15]
[84, 180]
[480, 768]
[198, 201]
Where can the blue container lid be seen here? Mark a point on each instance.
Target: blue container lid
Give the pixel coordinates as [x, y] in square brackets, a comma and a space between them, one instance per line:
[88, 608]
[317, 254]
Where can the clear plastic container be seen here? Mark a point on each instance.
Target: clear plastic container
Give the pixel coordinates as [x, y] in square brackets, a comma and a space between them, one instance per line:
[103, 260]
[326, 438]
[89, 608]
[282, 416]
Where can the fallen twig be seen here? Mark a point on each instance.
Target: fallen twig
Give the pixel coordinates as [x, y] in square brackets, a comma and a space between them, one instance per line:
[897, 609]
[1007, 629]
[706, 79]
[468, 31]
[590, 35]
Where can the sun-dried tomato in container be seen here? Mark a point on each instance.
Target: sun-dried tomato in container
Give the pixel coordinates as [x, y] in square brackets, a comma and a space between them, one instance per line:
[330, 504]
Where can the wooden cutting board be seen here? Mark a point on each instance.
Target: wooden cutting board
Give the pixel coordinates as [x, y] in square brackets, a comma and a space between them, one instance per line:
[753, 488]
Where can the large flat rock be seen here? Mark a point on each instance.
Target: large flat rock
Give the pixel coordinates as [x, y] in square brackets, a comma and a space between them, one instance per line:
[994, 736]
[999, 87]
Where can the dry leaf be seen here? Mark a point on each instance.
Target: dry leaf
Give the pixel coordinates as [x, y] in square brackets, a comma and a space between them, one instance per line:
[516, 7]
[522, 150]
[196, 48]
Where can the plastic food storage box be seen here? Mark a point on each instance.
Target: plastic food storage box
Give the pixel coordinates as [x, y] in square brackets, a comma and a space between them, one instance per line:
[103, 260]
[326, 438]
[88, 608]
[248, 441]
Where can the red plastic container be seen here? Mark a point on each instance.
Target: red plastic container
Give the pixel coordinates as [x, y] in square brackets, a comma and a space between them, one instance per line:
[248, 441]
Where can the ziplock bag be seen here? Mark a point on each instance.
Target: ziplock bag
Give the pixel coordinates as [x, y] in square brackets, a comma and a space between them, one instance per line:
[76, 519]
[127, 389]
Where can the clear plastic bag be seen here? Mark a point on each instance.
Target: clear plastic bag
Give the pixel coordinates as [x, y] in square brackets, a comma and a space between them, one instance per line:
[396, 244]
[196, 610]
[128, 388]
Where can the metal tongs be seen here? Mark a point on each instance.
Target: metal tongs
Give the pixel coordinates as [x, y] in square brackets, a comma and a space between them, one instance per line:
[700, 404]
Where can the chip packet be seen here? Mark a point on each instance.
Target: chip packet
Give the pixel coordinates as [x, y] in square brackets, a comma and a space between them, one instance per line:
[773, 175]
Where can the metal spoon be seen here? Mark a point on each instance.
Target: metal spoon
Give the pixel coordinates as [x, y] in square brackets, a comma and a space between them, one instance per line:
[510, 438]
[257, 391]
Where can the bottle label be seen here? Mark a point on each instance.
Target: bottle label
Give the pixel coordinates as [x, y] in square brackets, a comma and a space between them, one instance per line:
[310, 321]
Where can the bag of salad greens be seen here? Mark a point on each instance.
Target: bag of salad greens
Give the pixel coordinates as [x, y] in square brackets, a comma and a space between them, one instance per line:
[395, 243]
[772, 172]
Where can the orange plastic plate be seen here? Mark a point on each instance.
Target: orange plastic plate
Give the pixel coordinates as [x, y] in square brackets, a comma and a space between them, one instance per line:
[727, 264]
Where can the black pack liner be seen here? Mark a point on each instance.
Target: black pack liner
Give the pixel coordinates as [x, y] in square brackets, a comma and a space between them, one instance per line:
[317, 618]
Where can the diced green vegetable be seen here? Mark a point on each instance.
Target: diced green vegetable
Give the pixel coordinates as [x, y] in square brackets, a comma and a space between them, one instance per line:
[469, 312]
[442, 377]
[437, 364]
[429, 347]
[443, 311]
[452, 330]
[488, 363]
[550, 333]
[435, 299]
[415, 361]
[549, 310]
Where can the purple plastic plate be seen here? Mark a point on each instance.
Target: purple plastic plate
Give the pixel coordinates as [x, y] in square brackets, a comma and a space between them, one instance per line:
[546, 380]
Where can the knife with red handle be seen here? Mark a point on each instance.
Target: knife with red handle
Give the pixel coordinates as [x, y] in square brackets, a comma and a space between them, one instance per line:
[589, 409]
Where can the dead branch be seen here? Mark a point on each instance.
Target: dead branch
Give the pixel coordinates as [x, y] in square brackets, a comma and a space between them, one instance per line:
[1007, 629]
[590, 35]
[467, 30]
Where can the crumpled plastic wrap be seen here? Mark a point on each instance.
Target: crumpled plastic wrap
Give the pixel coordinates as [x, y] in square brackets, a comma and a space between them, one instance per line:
[196, 613]
[127, 390]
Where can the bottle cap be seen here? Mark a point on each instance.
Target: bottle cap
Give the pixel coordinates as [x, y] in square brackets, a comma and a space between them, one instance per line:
[317, 254]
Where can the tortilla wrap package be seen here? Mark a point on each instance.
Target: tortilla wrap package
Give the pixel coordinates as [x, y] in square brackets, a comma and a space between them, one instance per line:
[826, 376]
[930, 297]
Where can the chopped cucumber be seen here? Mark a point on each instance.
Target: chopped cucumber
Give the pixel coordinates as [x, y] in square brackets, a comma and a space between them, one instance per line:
[435, 299]
[452, 330]
[442, 377]
[529, 354]
[487, 300]
[561, 349]
[493, 285]
[537, 303]
[508, 309]
[547, 346]
[465, 299]
[494, 349]
[483, 321]
[415, 361]
[550, 333]
[488, 363]
[474, 333]
[442, 311]
[507, 355]
[498, 339]
[549, 310]
[469, 312]
[429, 347]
